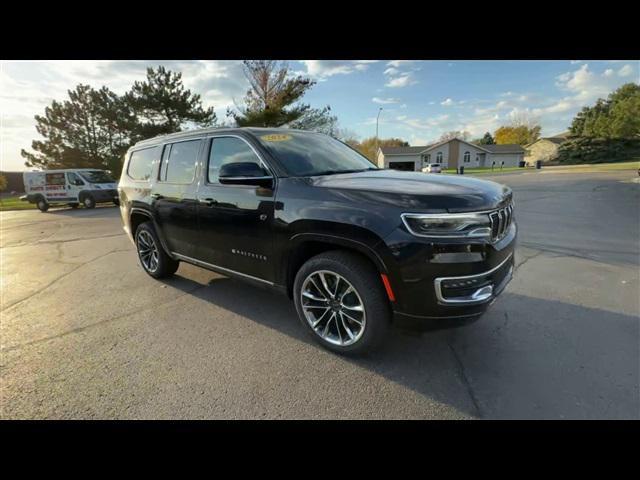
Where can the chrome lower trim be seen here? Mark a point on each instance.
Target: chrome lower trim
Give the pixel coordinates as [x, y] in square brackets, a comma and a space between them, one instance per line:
[481, 298]
[217, 268]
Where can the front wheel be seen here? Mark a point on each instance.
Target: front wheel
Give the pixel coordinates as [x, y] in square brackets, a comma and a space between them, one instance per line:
[89, 202]
[43, 205]
[340, 299]
[153, 258]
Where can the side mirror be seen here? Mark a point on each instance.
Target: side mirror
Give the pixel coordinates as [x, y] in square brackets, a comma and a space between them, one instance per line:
[244, 173]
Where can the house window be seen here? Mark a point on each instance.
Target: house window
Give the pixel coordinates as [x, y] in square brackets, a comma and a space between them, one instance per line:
[426, 158]
[477, 157]
[439, 157]
[467, 157]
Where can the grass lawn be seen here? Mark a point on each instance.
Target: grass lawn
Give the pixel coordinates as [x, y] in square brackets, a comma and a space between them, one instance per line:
[14, 203]
[597, 167]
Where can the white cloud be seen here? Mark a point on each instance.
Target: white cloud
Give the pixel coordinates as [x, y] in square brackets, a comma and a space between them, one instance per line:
[404, 80]
[384, 101]
[447, 103]
[399, 63]
[323, 69]
[608, 72]
[628, 70]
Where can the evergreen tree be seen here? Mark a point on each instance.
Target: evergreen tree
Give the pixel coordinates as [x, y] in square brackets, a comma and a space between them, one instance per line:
[162, 104]
[273, 100]
[487, 140]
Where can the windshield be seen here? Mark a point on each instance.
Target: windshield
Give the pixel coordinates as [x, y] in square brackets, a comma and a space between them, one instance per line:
[97, 176]
[304, 154]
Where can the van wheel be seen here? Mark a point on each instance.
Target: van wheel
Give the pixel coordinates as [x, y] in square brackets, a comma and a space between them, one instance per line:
[153, 258]
[89, 202]
[340, 299]
[43, 205]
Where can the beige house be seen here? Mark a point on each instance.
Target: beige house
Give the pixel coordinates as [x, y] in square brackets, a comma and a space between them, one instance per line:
[545, 149]
[450, 154]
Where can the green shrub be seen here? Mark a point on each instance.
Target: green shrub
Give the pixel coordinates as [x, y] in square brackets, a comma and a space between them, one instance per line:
[598, 150]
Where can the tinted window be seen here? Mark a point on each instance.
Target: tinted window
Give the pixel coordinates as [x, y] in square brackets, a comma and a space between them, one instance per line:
[97, 176]
[229, 150]
[74, 179]
[179, 162]
[55, 179]
[140, 164]
[306, 154]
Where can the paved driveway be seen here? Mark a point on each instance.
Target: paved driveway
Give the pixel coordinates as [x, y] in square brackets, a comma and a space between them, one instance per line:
[86, 334]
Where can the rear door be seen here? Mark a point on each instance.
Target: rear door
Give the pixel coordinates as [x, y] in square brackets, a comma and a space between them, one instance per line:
[174, 195]
[235, 220]
[55, 186]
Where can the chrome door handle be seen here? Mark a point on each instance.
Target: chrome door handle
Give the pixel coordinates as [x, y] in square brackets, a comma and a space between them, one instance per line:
[207, 201]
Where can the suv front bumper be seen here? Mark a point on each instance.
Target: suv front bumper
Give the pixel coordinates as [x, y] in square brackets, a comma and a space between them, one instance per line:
[432, 280]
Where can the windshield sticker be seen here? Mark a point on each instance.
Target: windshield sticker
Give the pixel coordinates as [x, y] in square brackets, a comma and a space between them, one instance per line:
[276, 137]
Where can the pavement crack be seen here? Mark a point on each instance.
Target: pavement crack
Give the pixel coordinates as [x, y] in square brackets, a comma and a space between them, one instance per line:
[101, 322]
[78, 265]
[527, 260]
[463, 376]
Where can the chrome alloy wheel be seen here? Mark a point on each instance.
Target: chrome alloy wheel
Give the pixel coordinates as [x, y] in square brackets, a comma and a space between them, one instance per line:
[333, 308]
[148, 251]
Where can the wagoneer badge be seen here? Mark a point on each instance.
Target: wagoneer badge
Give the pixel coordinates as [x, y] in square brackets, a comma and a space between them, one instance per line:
[249, 254]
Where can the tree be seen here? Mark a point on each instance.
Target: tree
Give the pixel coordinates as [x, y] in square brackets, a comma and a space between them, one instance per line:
[273, 100]
[464, 135]
[162, 104]
[94, 128]
[616, 117]
[368, 147]
[3, 183]
[487, 140]
[90, 129]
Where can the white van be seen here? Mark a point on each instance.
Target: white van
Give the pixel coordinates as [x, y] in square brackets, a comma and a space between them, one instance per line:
[73, 186]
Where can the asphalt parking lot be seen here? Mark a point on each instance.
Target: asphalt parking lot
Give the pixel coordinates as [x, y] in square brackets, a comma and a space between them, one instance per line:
[85, 333]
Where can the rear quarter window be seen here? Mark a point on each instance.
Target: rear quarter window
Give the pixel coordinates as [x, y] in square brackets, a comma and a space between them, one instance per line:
[141, 163]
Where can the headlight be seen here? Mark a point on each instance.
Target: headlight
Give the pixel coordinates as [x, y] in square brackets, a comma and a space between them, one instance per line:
[448, 225]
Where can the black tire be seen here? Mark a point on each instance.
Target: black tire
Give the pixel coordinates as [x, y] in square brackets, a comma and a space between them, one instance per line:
[165, 265]
[74, 205]
[88, 201]
[365, 279]
[42, 204]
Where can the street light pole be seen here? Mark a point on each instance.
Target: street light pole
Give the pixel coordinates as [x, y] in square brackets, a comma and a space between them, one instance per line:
[377, 141]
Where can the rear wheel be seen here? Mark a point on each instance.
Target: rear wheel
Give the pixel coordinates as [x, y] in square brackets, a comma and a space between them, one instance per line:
[89, 202]
[153, 258]
[340, 299]
[42, 204]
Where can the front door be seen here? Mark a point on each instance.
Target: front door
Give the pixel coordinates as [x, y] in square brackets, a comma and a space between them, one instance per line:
[74, 186]
[174, 196]
[235, 220]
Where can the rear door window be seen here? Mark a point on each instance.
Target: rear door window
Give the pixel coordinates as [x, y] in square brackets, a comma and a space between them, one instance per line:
[55, 179]
[141, 163]
[179, 162]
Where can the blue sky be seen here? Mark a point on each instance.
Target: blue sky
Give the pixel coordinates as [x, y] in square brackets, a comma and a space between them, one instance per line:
[420, 99]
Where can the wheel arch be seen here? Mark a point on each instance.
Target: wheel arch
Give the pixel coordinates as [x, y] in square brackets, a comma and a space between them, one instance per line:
[307, 245]
[141, 215]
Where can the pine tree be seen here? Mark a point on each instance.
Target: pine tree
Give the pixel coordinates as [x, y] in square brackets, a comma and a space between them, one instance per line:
[162, 104]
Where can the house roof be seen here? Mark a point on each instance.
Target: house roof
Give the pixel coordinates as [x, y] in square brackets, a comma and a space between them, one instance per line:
[403, 150]
[507, 148]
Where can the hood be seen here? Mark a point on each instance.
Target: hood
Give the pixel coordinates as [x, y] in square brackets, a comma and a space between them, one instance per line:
[417, 191]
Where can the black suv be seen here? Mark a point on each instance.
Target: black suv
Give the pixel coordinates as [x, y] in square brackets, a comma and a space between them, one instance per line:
[305, 214]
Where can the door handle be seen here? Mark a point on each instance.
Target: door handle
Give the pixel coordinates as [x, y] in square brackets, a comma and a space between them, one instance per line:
[156, 196]
[207, 201]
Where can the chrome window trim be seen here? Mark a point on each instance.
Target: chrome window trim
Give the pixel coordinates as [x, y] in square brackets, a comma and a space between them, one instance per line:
[496, 288]
[216, 267]
[208, 158]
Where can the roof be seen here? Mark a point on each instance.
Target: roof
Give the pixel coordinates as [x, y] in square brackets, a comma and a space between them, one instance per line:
[403, 150]
[506, 148]
[205, 131]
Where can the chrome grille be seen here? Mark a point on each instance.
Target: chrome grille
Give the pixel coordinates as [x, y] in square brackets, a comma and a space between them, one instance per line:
[500, 221]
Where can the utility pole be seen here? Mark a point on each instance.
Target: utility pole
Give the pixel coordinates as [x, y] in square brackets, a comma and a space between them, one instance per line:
[377, 141]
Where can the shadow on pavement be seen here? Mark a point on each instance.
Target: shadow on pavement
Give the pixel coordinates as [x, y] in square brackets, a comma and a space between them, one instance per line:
[525, 358]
